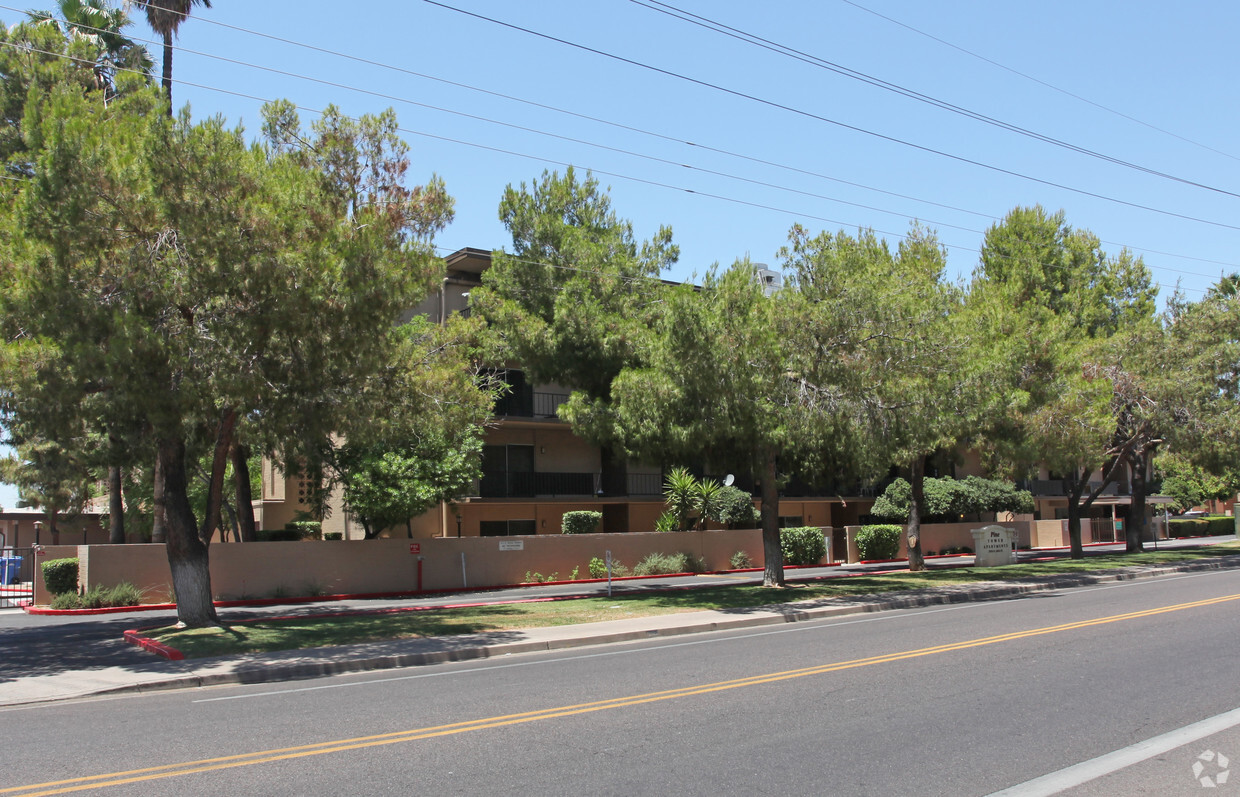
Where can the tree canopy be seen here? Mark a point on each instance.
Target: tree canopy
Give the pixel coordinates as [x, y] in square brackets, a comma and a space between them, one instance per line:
[171, 268]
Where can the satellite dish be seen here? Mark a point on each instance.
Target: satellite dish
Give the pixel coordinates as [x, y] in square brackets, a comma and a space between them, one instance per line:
[727, 482]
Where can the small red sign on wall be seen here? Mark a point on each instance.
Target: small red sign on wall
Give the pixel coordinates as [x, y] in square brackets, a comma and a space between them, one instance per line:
[415, 547]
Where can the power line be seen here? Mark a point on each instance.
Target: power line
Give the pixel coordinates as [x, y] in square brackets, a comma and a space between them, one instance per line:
[553, 162]
[813, 60]
[827, 120]
[622, 126]
[1040, 82]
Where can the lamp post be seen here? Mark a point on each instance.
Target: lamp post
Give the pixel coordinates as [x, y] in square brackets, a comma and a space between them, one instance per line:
[38, 526]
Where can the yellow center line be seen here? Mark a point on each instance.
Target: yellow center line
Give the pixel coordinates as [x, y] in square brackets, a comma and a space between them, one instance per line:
[360, 742]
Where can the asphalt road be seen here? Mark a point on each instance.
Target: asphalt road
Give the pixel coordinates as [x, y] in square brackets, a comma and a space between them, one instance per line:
[956, 700]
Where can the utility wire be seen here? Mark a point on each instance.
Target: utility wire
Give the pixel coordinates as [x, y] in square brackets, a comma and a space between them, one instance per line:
[544, 160]
[626, 127]
[813, 60]
[1040, 82]
[827, 120]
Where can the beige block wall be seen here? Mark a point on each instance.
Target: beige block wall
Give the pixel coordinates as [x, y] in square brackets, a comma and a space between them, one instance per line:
[253, 570]
[937, 536]
[47, 553]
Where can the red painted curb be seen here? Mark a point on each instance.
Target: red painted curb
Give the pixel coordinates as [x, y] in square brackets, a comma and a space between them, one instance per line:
[150, 645]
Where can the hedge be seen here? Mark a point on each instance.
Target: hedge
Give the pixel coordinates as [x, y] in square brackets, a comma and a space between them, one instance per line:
[879, 542]
[61, 575]
[581, 522]
[802, 545]
[1212, 526]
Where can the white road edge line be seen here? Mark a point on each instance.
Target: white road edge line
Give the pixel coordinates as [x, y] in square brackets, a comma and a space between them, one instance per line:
[1055, 782]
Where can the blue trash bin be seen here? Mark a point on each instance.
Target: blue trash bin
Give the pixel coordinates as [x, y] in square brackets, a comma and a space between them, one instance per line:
[10, 566]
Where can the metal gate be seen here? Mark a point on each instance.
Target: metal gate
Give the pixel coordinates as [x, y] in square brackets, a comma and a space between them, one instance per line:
[16, 577]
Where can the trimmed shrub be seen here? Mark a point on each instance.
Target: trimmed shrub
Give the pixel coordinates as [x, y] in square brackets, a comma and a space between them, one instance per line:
[740, 561]
[1187, 527]
[581, 522]
[1218, 525]
[1209, 526]
[879, 542]
[61, 575]
[802, 545]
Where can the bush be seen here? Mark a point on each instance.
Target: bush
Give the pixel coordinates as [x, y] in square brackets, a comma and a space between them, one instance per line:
[333, 535]
[662, 564]
[61, 575]
[1218, 525]
[598, 568]
[582, 522]
[879, 542]
[1210, 526]
[948, 499]
[66, 600]
[667, 522]
[740, 561]
[734, 508]
[305, 529]
[802, 545]
[123, 594]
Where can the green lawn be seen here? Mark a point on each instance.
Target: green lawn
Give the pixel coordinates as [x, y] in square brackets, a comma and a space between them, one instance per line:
[296, 634]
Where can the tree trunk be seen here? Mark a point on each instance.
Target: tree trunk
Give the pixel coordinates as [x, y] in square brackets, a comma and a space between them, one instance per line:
[917, 508]
[1076, 485]
[116, 507]
[187, 554]
[772, 553]
[52, 526]
[168, 70]
[158, 527]
[245, 499]
[219, 466]
[1134, 529]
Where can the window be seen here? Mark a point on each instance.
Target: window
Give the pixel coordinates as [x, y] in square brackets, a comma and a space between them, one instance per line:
[507, 471]
[506, 528]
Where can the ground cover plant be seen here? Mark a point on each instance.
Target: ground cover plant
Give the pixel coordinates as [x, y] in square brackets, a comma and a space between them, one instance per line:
[340, 629]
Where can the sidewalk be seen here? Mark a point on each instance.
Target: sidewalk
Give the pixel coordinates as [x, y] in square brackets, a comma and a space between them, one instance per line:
[146, 672]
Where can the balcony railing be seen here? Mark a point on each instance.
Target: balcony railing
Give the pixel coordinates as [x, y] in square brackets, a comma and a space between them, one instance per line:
[504, 484]
[530, 404]
[644, 484]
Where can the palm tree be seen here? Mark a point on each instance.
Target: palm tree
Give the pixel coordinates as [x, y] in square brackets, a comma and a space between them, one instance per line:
[99, 25]
[164, 17]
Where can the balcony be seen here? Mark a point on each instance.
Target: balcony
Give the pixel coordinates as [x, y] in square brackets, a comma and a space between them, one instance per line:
[524, 403]
[1041, 488]
[506, 484]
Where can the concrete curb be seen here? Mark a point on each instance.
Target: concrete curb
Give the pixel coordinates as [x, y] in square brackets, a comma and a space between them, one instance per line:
[260, 669]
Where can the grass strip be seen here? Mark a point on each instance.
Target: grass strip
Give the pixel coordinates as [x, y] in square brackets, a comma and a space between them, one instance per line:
[326, 630]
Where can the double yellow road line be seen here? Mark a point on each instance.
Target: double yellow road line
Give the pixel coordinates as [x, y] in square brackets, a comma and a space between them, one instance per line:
[361, 742]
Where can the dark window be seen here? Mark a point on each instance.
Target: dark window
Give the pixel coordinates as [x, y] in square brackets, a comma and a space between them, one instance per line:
[505, 528]
[507, 471]
[518, 399]
[791, 522]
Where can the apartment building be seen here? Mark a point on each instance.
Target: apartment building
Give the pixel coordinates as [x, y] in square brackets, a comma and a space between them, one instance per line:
[534, 469]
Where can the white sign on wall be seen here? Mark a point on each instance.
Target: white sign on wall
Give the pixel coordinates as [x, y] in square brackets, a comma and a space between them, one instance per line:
[512, 545]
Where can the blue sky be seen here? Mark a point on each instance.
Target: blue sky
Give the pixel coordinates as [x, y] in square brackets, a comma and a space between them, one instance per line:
[485, 105]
